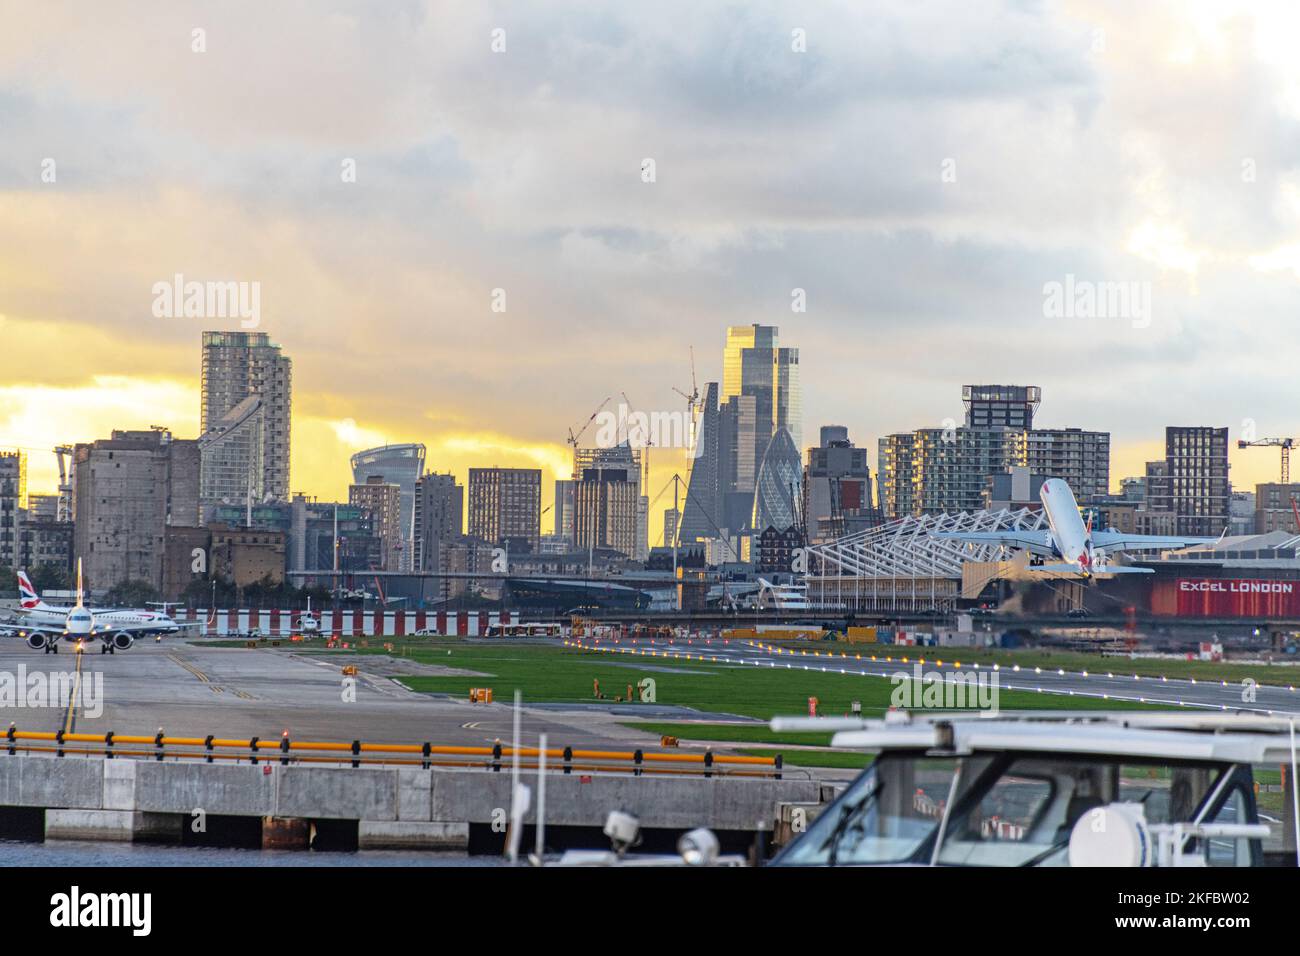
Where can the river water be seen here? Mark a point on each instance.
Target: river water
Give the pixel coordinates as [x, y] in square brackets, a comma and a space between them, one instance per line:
[77, 853]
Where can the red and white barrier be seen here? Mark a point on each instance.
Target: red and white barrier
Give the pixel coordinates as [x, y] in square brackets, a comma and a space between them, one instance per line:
[351, 623]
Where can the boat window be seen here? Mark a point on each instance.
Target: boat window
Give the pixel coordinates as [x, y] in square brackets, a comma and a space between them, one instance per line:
[1225, 852]
[1024, 815]
[885, 816]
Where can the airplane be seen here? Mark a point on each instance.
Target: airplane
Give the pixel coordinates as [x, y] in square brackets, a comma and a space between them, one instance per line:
[1080, 550]
[117, 629]
[308, 623]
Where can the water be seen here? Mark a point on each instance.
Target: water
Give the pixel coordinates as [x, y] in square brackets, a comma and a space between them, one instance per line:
[87, 853]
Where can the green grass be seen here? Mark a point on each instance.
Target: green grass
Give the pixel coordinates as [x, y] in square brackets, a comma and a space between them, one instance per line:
[732, 733]
[547, 673]
[833, 759]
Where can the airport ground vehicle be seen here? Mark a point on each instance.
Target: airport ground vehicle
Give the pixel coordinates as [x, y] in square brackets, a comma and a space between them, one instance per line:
[1171, 789]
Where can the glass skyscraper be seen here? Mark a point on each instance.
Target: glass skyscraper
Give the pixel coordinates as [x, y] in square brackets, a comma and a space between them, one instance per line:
[760, 397]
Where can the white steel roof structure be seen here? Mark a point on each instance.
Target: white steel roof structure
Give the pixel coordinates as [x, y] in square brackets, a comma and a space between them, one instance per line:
[906, 548]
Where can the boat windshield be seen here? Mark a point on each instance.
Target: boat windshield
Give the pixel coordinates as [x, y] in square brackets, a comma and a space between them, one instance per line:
[883, 817]
[1007, 809]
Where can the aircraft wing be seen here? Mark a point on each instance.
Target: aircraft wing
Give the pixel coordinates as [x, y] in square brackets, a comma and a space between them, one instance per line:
[1119, 541]
[1039, 542]
[1100, 571]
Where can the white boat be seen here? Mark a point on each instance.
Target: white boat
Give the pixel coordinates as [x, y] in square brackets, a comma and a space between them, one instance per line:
[1106, 789]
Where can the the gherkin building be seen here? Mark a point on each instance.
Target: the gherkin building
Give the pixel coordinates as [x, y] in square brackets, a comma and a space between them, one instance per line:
[778, 485]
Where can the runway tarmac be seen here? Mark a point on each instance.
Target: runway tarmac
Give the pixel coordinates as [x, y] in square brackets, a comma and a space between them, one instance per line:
[188, 689]
[1109, 682]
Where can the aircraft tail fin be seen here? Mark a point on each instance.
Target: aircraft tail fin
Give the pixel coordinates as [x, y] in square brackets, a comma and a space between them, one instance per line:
[79, 592]
[27, 594]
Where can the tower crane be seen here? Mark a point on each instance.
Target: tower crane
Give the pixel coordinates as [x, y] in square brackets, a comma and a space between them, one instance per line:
[573, 437]
[64, 506]
[1283, 443]
[693, 399]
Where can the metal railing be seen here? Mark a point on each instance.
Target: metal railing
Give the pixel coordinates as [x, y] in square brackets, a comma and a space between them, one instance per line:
[285, 751]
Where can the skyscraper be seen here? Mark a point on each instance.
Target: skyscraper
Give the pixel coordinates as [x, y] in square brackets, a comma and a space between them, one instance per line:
[761, 396]
[701, 517]
[754, 364]
[383, 500]
[778, 489]
[622, 457]
[401, 465]
[439, 519]
[605, 512]
[232, 470]
[237, 365]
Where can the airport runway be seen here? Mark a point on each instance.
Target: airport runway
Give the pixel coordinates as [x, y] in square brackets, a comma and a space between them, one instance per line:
[1108, 682]
[192, 690]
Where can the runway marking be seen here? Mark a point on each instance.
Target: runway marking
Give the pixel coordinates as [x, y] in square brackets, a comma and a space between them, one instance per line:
[195, 671]
[72, 700]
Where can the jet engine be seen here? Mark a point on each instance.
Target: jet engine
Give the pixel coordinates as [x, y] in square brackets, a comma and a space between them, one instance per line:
[122, 640]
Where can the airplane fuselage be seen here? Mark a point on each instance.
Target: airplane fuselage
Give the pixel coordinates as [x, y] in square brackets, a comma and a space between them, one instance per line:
[79, 623]
[1069, 534]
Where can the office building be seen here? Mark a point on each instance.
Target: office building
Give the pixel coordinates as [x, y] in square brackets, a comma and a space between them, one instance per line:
[505, 507]
[235, 366]
[606, 511]
[622, 457]
[400, 465]
[837, 487]
[672, 518]
[701, 512]
[563, 510]
[779, 488]
[383, 500]
[1192, 481]
[13, 502]
[439, 517]
[761, 395]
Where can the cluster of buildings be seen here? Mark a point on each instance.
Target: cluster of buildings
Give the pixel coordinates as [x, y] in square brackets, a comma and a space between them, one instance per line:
[999, 457]
[145, 505]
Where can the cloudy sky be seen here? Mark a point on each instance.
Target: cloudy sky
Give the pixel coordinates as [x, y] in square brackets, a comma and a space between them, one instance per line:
[921, 170]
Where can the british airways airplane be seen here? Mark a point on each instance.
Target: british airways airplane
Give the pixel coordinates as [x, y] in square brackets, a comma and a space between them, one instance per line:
[1078, 548]
[46, 625]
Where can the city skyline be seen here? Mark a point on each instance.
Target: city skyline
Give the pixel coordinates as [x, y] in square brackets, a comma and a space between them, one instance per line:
[924, 264]
[1258, 462]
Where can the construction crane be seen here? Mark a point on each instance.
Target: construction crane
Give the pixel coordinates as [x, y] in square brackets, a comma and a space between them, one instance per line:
[1283, 443]
[573, 437]
[693, 399]
[64, 506]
